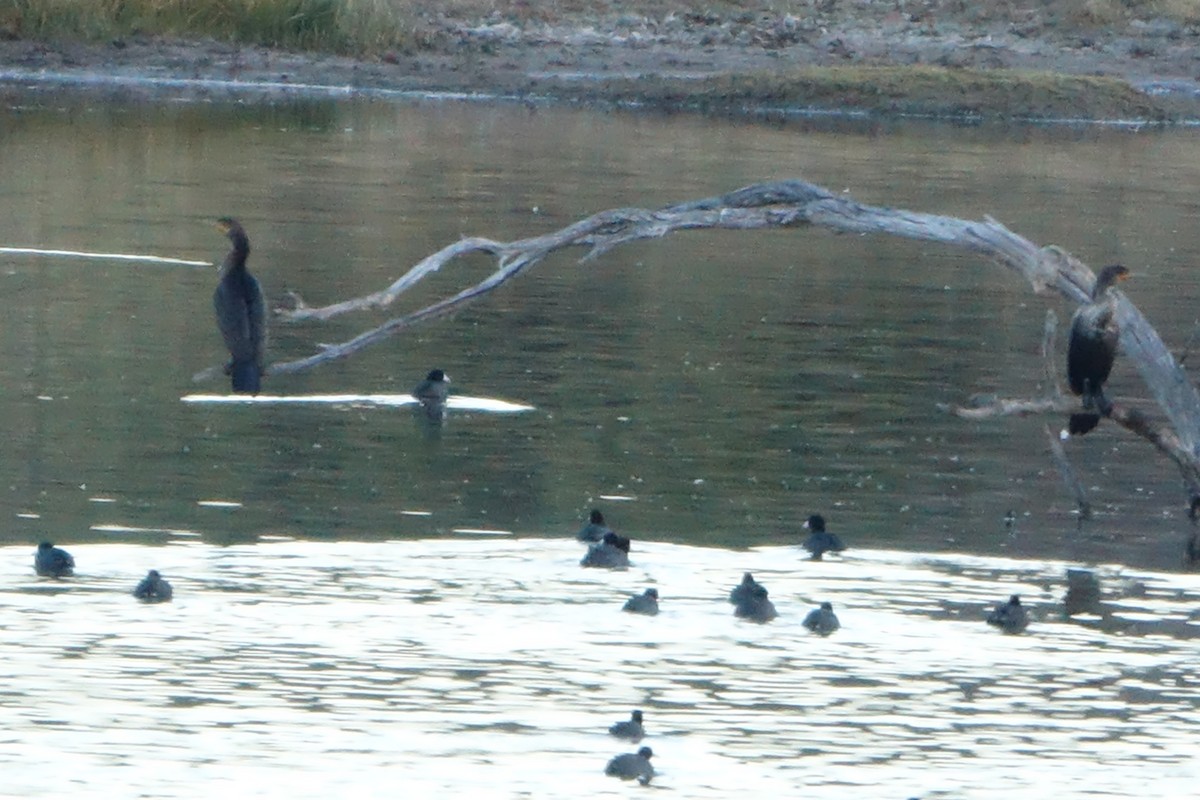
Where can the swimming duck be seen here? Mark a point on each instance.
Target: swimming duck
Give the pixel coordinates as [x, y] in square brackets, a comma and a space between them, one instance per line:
[153, 588]
[644, 603]
[53, 562]
[822, 620]
[630, 729]
[595, 528]
[1009, 617]
[628, 766]
[611, 552]
[821, 541]
[756, 607]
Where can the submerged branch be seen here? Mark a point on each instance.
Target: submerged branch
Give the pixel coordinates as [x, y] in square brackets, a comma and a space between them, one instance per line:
[793, 203]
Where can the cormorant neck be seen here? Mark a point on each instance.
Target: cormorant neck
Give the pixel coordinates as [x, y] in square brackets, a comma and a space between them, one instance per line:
[241, 249]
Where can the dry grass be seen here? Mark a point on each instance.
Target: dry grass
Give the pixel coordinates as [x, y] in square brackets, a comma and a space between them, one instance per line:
[920, 90]
[364, 27]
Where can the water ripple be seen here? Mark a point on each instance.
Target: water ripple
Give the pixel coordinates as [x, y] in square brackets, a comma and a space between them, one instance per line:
[492, 668]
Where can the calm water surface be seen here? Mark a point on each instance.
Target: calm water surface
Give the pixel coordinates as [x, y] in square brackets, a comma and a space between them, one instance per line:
[709, 391]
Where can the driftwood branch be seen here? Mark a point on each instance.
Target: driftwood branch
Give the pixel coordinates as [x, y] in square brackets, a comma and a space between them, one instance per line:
[794, 203]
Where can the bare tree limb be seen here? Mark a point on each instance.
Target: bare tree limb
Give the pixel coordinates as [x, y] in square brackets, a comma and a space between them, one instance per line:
[794, 203]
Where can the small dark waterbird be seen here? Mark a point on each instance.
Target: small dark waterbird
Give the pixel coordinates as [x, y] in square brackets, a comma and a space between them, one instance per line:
[821, 541]
[1092, 349]
[153, 588]
[822, 620]
[595, 528]
[756, 606]
[241, 313]
[630, 729]
[644, 603]
[432, 392]
[611, 552]
[53, 562]
[1009, 617]
[628, 766]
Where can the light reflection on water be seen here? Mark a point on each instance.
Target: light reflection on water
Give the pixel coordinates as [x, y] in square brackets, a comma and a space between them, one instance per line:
[492, 668]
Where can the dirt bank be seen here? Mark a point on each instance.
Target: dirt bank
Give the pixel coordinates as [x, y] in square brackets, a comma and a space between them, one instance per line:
[883, 62]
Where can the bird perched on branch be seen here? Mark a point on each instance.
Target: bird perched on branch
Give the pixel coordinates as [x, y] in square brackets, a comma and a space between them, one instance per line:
[1092, 349]
[241, 313]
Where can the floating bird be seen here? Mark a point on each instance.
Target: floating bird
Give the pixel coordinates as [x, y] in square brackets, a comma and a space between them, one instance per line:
[1092, 349]
[756, 607]
[821, 541]
[595, 528]
[53, 562]
[630, 729]
[241, 313]
[612, 552]
[1009, 617]
[628, 766]
[822, 620]
[744, 590]
[431, 393]
[153, 588]
[644, 603]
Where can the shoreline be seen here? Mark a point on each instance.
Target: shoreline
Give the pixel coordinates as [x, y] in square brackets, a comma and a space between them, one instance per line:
[859, 67]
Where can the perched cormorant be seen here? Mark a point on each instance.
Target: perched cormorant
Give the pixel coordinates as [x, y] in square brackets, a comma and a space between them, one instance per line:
[644, 603]
[53, 562]
[628, 766]
[630, 729]
[1092, 348]
[153, 588]
[1009, 617]
[431, 393]
[595, 529]
[241, 313]
[822, 620]
[821, 541]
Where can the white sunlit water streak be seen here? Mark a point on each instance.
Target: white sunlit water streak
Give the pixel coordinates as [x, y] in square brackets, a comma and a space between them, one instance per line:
[492, 668]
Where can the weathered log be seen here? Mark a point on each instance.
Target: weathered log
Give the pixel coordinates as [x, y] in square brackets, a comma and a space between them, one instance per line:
[793, 203]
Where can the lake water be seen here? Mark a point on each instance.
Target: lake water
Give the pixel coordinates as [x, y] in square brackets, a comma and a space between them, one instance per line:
[364, 598]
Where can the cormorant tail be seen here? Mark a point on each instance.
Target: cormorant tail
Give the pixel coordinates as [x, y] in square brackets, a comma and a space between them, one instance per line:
[246, 378]
[1082, 422]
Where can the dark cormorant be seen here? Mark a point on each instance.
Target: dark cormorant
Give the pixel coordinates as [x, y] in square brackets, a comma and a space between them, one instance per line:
[53, 562]
[630, 729]
[241, 313]
[153, 588]
[1009, 617]
[431, 393]
[821, 541]
[628, 766]
[1092, 348]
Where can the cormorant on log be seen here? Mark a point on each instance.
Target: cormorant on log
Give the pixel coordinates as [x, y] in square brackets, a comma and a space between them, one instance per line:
[1092, 348]
[241, 313]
